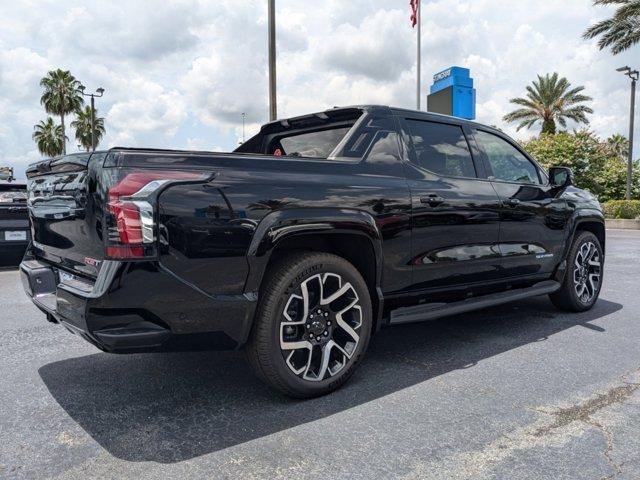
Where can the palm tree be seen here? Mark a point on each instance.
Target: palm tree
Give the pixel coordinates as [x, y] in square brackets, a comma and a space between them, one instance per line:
[618, 145]
[620, 31]
[82, 125]
[549, 100]
[61, 97]
[48, 137]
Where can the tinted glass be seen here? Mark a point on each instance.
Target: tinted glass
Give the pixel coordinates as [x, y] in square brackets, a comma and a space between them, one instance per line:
[314, 144]
[441, 148]
[266, 140]
[362, 138]
[12, 194]
[384, 148]
[505, 161]
[384, 155]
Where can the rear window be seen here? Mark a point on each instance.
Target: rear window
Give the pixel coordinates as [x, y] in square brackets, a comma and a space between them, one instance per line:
[318, 144]
[312, 136]
[12, 193]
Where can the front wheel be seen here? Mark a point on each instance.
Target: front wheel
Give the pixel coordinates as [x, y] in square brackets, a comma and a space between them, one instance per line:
[583, 278]
[312, 325]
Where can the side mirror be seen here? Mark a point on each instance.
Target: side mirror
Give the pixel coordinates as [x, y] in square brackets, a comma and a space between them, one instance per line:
[560, 177]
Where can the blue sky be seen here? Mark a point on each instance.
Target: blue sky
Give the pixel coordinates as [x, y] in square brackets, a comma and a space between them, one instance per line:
[178, 74]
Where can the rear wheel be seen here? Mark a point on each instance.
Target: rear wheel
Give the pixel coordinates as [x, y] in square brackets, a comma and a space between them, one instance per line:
[312, 326]
[583, 278]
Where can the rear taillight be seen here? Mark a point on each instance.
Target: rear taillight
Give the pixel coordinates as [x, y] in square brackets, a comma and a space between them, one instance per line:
[130, 219]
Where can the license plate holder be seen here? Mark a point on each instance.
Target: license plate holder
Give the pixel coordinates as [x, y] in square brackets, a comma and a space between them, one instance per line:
[15, 236]
[66, 277]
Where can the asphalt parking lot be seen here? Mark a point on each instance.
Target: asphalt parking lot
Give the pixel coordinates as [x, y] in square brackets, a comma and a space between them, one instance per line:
[519, 391]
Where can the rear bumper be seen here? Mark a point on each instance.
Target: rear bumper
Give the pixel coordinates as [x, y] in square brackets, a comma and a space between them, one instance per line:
[137, 307]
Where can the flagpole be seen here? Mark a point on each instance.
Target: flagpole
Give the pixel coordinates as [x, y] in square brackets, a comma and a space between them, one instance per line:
[419, 62]
[273, 109]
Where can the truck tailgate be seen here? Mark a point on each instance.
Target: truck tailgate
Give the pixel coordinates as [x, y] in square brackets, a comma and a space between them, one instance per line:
[66, 221]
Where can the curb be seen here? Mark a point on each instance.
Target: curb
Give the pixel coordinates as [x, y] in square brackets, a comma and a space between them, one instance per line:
[622, 224]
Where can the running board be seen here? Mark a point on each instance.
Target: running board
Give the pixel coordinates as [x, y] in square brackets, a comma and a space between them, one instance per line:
[431, 311]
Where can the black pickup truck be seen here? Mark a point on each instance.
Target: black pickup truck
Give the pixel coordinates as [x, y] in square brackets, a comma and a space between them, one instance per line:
[306, 240]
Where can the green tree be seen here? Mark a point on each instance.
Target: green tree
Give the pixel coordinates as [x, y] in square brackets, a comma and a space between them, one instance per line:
[61, 97]
[82, 126]
[596, 164]
[619, 32]
[48, 137]
[550, 99]
[612, 180]
[619, 144]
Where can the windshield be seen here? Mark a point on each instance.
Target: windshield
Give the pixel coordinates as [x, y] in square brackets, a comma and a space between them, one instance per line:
[13, 193]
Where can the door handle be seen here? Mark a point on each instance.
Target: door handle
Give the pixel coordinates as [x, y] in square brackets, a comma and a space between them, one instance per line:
[432, 200]
[512, 202]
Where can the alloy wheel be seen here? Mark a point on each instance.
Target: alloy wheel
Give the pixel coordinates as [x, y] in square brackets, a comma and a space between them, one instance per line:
[587, 272]
[319, 330]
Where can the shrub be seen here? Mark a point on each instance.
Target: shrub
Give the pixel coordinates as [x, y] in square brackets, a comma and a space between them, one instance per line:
[628, 209]
[596, 165]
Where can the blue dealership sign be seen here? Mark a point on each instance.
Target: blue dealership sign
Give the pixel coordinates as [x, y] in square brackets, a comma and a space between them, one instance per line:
[452, 93]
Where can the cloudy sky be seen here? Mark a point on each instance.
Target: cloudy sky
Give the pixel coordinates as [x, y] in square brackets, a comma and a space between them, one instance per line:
[178, 73]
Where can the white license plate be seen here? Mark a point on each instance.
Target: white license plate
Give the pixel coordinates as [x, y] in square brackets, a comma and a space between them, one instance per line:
[15, 236]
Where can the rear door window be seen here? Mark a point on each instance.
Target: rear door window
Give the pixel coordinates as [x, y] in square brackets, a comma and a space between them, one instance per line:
[441, 148]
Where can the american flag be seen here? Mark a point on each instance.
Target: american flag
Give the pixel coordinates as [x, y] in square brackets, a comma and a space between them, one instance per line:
[414, 12]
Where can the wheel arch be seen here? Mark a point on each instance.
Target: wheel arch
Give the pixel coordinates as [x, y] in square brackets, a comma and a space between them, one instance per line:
[594, 226]
[350, 234]
[584, 220]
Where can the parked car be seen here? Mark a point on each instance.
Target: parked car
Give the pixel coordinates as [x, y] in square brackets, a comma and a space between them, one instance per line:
[14, 223]
[306, 240]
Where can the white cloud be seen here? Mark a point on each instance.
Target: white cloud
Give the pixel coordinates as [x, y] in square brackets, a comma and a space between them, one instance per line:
[202, 144]
[149, 109]
[219, 89]
[20, 79]
[374, 49]
[180, 73]
[20, 72]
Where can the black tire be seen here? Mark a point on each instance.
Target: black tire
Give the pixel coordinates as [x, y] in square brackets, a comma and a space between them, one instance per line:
[568, 298]
[281, 289]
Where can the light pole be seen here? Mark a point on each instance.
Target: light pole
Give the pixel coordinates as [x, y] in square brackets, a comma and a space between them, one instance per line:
[243, 115]
[419, 55]
[633, 75]
[98, 93]
[273, 109]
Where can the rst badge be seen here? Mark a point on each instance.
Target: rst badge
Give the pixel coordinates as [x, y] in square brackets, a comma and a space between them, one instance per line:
[91, 261]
